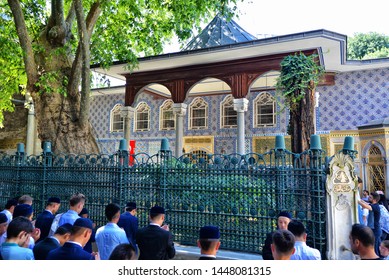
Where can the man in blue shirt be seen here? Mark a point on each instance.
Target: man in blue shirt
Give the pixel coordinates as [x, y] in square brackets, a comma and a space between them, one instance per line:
[9, 208]
[303, 251]
[375, 214]
[76, 203]
[18, 236]
[109, 236]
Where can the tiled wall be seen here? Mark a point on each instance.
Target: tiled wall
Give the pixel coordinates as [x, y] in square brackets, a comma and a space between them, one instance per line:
[355, 99]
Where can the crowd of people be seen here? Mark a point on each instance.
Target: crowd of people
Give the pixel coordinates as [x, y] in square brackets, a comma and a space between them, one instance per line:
[369, 238]
[70, 235]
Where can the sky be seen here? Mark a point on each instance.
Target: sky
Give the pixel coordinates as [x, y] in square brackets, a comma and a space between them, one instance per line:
[266, 18]
[280, 17]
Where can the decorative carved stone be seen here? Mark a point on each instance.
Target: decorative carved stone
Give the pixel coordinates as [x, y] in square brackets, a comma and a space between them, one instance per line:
[180, 109]
[342, 209]
[241, 105]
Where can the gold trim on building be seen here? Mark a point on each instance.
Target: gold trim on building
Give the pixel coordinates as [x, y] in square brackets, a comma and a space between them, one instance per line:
[195, 143]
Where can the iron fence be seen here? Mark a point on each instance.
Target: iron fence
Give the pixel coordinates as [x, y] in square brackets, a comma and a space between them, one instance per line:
[242, 194]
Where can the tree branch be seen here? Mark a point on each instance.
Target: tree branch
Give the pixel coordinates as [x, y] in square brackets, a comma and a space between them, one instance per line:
[71, 16]
[58, 12]
[83, 35]
[91, 20]
[25, 43]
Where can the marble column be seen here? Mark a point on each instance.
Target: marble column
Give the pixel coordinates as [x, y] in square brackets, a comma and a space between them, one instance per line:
[317, 96]
[127, 112]
[179, 110]
[241, 106]
[31, 128]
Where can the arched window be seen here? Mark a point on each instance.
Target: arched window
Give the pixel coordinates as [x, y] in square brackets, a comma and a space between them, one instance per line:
[228, 114]
[198, 114]
[376, 170]
[142, 117]
[117, 121]
[166, 116]
[264, 110]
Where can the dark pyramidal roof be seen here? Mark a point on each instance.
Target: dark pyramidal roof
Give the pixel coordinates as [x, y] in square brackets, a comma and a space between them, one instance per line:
[219, 32]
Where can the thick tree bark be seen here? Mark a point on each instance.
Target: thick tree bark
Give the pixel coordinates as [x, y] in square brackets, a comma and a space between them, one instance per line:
[301, 123]
[58, 122]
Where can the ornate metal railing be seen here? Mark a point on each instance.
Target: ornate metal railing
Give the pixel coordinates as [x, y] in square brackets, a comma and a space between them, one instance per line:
[242, 194]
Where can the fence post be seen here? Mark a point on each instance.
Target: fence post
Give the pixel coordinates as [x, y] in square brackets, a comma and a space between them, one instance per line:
[279, 160]
[20, 159]
[47, 160]
[47, 154]
[316, 167]
[123, 169]
[348, 147]
[20, 154]
[165, 155]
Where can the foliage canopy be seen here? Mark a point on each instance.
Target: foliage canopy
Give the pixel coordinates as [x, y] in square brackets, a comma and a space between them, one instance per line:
[115, 30]
[368, 45]
[298, 74]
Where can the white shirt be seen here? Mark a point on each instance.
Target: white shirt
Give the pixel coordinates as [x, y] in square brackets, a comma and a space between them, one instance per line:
[304, 252]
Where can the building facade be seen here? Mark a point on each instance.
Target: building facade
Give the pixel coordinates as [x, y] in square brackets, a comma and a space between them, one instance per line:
[200, 110]
[217, 96]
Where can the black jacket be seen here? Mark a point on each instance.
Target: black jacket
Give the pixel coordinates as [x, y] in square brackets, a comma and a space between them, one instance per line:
[42, 248]
[43, 222]
[266, 250]
[155, 243]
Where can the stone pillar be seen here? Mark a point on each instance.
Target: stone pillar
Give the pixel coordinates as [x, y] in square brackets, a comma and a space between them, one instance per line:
[342, 206]
[38, 143]
[386, 160]
[317, 96]
[127, 112]
[31, 127]
[179, 109]
[241, 106]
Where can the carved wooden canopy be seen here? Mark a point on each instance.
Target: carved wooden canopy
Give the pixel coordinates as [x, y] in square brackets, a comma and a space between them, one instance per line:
[238, 74]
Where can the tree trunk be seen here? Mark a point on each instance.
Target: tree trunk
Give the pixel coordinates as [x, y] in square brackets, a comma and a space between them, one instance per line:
[57, 109]
[58, 122]
[58, 114]
[53, 77]
[301, 123]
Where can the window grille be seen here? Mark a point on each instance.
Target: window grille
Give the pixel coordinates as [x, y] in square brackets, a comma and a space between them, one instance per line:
[166, 116]
[228, 114]
[142, 117]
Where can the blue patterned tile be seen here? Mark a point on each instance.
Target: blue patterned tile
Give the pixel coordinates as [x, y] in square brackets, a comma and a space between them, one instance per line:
[356, 98]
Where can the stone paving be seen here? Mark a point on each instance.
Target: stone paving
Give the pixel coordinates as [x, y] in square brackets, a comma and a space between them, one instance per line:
[193, 253]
